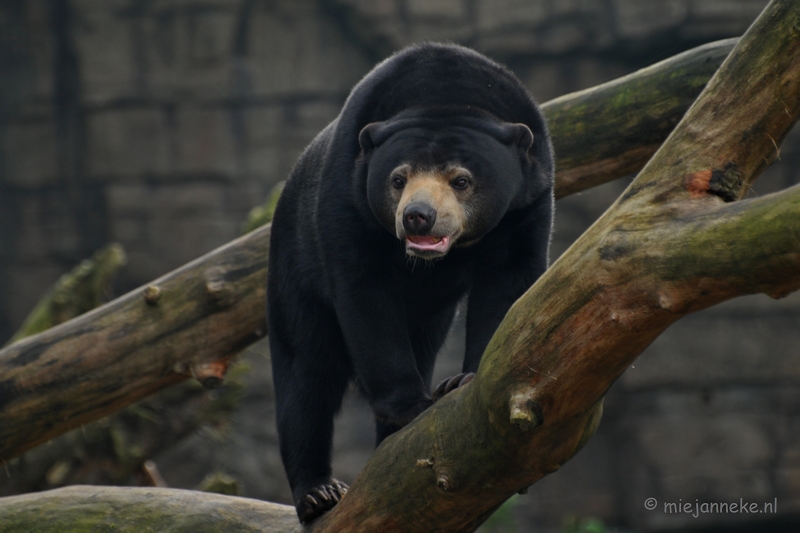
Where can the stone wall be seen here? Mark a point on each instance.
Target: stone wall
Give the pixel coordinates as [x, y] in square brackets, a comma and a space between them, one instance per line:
[155, 124]
[160, 123]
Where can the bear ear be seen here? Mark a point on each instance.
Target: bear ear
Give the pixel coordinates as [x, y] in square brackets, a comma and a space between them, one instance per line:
[367, 136]
[522, 135]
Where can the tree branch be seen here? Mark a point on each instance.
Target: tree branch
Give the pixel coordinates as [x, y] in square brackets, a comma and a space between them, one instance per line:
[142, 509]
[613, 129]
[101, 361]
[746, 247]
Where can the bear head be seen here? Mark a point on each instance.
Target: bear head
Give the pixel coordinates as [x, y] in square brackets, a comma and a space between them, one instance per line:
[439, 181]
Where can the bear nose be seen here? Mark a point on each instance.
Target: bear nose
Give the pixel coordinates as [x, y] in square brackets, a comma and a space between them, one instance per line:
[418, 218]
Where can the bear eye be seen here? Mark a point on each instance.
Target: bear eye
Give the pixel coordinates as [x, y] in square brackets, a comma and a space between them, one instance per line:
[398, 181]
[460, 183]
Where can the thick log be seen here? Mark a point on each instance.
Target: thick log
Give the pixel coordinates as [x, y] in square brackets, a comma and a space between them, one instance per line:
[211, 308]
[116, 449]
[85, 509]
[155, 336]
[613, 129]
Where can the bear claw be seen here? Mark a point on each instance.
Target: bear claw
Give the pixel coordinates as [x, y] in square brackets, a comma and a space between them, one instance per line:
[452, 383]
[320, 499]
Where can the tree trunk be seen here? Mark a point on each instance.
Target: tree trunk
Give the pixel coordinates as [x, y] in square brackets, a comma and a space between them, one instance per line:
[675, 242]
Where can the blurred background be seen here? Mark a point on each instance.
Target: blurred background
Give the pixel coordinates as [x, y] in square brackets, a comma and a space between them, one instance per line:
[159, 125]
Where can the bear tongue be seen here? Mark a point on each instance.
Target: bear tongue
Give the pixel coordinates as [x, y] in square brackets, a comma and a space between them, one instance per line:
[424, 239]
[428, 242]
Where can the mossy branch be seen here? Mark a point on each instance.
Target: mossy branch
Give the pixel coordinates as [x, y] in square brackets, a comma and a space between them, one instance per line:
[76, 292]
[134, 509]
[612, 129]
[179, 326]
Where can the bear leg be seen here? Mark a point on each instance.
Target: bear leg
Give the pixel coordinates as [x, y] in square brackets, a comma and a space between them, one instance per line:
[310, 383]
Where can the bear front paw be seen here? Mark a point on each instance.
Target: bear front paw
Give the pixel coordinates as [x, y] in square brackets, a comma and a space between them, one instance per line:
[451, 384]
[319, 500]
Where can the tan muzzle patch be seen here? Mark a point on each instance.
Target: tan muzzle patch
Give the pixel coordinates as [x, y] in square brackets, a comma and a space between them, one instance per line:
[433, 189]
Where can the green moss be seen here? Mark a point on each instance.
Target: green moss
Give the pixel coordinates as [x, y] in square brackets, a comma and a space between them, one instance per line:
[262, 214]
[76, 292]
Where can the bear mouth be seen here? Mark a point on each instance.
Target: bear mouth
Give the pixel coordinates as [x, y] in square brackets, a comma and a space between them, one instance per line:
[427, 246]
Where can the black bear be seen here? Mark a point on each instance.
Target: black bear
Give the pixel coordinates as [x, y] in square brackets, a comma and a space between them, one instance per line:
[434, 182]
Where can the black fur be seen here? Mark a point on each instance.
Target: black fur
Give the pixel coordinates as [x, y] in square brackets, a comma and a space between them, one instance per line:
[345, 302]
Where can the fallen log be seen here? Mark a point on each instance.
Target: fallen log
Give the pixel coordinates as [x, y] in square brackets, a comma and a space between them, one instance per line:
[137, 509]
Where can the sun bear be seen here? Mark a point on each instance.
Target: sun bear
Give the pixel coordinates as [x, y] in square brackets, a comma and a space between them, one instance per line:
[435, 182]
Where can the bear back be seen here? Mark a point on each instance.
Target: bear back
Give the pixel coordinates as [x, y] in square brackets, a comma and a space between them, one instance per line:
[433, 75]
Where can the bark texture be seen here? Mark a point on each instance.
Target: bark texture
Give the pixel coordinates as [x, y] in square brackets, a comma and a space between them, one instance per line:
[137, 510]
[185, 324]
[612, 130]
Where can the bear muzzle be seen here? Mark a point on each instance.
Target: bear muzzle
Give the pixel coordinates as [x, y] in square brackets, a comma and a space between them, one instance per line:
[419, 218]
[429, 216]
